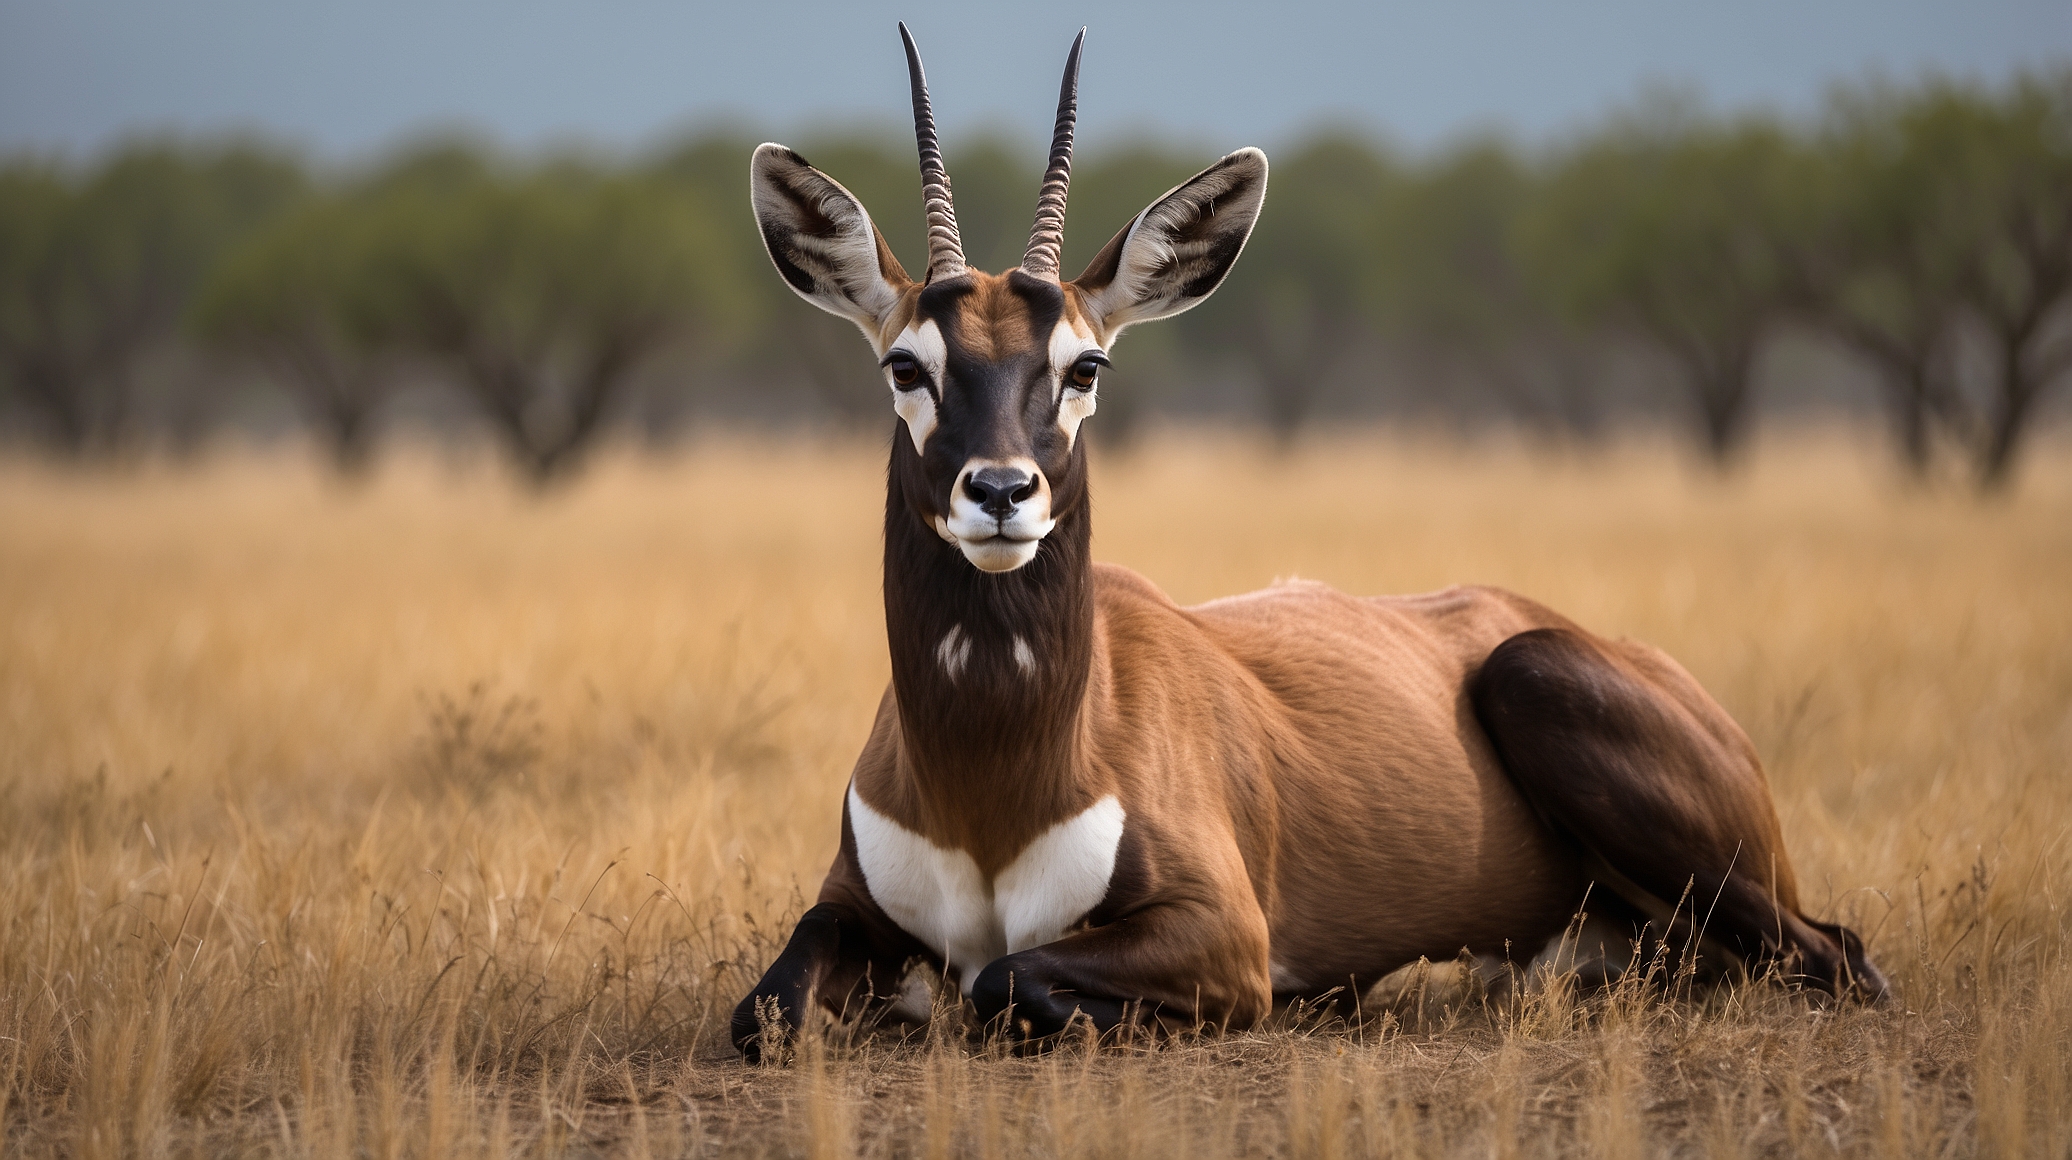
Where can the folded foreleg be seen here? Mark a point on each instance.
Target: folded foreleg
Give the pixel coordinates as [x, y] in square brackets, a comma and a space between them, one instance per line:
[844, 955]
[1164, 966]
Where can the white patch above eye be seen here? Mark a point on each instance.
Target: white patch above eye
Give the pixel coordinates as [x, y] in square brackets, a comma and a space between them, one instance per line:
[916, 404]
[1023, 657]
[1074, 405]
[1066, 347]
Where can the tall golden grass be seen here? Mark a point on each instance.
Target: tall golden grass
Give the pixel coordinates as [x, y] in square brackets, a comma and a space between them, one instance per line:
[430, 818]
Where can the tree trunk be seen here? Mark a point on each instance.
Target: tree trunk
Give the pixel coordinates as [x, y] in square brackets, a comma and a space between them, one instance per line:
[2010, 415]
[60, 399]
[1290, 391]
[349, 436]
[1912, 397]
[1910, 415]
[1717, 368]
[1723, 390]
[2029, 363]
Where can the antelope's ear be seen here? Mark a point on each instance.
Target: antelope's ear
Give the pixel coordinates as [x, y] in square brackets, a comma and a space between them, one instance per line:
[822, 240]
[1178, 250]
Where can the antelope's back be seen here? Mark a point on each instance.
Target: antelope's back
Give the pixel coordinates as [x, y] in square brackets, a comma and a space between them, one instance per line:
[1373, 774]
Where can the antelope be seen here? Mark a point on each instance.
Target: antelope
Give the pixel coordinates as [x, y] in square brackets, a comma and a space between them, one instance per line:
[1081, 801]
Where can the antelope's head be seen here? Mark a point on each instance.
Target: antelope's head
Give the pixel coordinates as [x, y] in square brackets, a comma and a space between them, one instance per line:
[992, 374]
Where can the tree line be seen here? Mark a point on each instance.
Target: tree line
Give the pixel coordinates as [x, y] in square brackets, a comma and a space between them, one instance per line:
[1651, 267]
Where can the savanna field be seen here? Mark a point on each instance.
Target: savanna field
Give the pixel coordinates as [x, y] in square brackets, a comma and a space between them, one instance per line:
[433, 817]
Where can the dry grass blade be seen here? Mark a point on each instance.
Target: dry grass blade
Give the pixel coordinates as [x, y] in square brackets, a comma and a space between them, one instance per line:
[311, 803]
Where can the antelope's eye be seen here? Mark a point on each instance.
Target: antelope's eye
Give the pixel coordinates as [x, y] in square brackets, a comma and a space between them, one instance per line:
[905, 371]
[1085, 371]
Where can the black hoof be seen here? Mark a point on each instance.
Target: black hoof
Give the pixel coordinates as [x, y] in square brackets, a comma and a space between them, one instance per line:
[1016, 1000]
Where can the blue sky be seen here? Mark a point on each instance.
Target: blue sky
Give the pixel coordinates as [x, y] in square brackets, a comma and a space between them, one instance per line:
[345, 79]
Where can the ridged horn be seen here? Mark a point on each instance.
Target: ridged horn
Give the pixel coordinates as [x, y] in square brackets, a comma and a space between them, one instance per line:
[945, 247]
[1047, 236]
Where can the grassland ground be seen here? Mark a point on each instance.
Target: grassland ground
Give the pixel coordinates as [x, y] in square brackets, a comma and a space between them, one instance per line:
[434, 818]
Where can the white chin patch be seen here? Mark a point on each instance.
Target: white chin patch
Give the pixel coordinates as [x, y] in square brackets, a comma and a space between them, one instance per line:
[998, 554]
[999, 545]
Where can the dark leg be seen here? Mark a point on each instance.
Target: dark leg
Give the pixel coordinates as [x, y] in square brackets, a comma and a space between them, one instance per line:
[837, 957]
[1159, 967]
[1619, 749]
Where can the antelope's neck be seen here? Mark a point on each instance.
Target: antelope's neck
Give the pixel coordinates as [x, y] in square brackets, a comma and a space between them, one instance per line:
[990, 673]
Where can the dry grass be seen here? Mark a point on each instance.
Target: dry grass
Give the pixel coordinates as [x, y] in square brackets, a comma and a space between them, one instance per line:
[435, 820]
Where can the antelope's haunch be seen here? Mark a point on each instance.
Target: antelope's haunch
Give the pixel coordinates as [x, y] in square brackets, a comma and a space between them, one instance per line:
[1079, 797]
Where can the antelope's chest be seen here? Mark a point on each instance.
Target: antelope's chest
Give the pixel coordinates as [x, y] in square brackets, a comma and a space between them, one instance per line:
[941, 897]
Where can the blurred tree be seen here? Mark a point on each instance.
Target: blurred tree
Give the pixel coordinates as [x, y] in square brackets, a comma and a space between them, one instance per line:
[95, 272]
[1685, 230]
[1299, 301]
[1448, 274]
[298, 297]
[2010, 160]
[543, 293]
[44, 308]
[710, 169]
[997, 177]
[1928, 227]
[1881, 268]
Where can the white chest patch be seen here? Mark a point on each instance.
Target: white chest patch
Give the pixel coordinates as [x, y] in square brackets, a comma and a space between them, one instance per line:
[940, 897]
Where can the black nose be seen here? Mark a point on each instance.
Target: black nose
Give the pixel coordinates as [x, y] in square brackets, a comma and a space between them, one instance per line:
[997, 489]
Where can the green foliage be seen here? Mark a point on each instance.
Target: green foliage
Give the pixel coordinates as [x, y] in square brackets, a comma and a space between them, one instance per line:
[546, 293]
[97, 268]
[1686, 231]
[1947, 208]
[1303, 296]
[1928, 228]
[541, 292]
[1453, 279]
[1882, 268]
[301, 296]
[2014, 209]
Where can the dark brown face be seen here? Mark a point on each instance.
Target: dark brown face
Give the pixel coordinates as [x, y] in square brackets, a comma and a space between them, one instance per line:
[992, 375]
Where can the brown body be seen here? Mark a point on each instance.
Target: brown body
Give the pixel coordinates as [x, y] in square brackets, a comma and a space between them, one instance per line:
[1081, 800]
[1299, 766]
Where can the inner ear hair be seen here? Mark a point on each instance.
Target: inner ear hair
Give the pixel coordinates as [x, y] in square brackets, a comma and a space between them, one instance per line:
[821, 239]
[1180, 248]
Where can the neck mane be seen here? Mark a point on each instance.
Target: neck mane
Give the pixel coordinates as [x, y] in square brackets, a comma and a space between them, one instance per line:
[990, 733]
